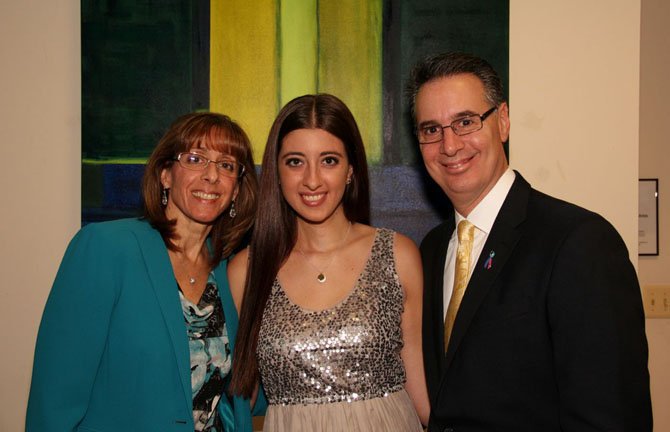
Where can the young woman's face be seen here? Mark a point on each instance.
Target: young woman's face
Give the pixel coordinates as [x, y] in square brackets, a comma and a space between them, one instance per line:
[314, 172]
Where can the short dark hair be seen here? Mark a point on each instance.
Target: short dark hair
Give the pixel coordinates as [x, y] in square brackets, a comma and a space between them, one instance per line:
[217, 132]
[275, 231]
[454, 63]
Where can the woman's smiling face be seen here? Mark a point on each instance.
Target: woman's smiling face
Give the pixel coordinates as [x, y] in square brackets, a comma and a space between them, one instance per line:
[198, 196]
[313, 171]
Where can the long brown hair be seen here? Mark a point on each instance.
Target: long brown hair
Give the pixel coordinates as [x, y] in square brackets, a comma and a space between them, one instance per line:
[217, 132]
[275, 231]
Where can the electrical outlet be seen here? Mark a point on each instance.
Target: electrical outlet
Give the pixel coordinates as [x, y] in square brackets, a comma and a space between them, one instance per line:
[656, 301]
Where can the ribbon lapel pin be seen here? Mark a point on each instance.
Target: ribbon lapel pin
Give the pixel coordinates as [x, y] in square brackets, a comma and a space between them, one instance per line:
[489, 261]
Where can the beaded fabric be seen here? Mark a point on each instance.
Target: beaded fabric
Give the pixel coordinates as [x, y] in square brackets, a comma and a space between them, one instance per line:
[346, 353]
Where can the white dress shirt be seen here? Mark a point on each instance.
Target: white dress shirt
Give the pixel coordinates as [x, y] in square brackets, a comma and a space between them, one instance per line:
[482, 217]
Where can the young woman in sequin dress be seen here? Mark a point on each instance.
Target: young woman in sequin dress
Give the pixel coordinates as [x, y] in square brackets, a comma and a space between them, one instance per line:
[330, 306]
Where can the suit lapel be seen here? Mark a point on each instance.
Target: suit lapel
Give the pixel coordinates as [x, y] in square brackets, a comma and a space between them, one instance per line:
[502, 239]
[164, 285]
[437, 286]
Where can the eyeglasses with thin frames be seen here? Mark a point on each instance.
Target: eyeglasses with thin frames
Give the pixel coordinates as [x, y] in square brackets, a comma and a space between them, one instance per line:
[197, 162]
[433, 133]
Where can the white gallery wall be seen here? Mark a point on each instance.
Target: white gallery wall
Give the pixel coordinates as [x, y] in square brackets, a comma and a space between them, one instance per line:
[655, 163]
[39, 176]
[588, 103]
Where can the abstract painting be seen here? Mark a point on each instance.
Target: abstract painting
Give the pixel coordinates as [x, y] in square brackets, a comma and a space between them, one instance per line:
[144, 63]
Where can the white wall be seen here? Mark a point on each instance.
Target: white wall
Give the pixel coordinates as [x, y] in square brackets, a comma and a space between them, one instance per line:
[576, 97]
[574, 92]
[39, 177]
[655, 163]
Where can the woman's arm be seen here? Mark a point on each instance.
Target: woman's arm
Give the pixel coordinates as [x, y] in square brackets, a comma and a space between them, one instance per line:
[72, 336]
[237, 275]
[408, 265]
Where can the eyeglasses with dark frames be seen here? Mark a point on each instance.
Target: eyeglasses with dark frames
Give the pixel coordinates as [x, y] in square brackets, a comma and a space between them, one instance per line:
[197, 162]
[433, 133]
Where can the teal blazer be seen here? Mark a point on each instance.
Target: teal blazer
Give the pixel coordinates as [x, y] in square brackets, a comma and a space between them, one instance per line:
[112, 350]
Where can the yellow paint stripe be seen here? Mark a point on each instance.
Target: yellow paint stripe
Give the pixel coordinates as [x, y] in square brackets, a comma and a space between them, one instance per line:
[350, 63]
[243, 65]
[298, 48]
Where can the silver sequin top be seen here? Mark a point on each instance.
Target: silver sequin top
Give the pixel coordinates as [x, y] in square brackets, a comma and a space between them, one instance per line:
[347, 353]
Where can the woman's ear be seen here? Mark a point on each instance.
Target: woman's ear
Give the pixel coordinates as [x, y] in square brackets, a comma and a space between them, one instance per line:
[236, 191]
[166, 178]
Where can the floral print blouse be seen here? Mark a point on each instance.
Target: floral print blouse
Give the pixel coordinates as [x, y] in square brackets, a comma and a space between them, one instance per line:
[210, 355]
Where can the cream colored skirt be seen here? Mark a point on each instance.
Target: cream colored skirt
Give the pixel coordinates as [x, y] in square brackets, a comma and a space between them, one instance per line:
[392, 413]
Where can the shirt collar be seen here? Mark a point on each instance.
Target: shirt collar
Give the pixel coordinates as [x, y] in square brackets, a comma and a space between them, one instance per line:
[484, 214]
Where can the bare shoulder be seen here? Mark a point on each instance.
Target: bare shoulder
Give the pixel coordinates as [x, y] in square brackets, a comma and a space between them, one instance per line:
[408, 263]
[237, 274]
[239, 261]
[360, 239]
[405, 248]
[361, 231]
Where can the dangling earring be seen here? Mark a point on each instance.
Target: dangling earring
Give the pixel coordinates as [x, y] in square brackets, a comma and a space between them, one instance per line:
[164, 197]
[232, 213]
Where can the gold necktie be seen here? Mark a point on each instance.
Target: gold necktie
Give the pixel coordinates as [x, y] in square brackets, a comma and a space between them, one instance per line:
[466, 234]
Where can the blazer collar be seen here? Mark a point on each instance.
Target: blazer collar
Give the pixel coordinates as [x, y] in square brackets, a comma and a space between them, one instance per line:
[501, 241]
[163, 282]
[229, 310]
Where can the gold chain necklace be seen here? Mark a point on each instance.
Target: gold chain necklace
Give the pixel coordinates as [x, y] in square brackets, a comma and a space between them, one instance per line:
[321, 276]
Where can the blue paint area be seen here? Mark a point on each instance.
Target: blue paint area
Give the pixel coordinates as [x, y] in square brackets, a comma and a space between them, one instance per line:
[404, 198]
[121, 194]
[122, 186]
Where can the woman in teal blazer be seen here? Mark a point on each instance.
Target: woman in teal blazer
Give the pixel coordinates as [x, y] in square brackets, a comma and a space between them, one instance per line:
[139, 327]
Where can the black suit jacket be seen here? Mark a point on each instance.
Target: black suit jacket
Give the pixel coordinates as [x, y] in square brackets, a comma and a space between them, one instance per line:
[550, 337]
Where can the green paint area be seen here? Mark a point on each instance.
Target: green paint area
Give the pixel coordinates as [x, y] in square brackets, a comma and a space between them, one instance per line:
[141, 69]
[420, 28]
[91, 186]
[115, 161]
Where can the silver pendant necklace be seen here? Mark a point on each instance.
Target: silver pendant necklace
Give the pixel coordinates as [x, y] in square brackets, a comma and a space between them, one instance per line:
[184, 263]
[321, 274]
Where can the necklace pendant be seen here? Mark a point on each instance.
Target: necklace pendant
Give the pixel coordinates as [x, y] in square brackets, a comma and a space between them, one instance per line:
[321, 278]
[191, 280]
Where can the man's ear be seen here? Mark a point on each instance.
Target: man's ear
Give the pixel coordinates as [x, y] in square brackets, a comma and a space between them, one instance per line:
[503, 121]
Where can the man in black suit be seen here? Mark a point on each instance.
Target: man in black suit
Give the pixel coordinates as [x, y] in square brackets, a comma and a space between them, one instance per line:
[533, 320]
